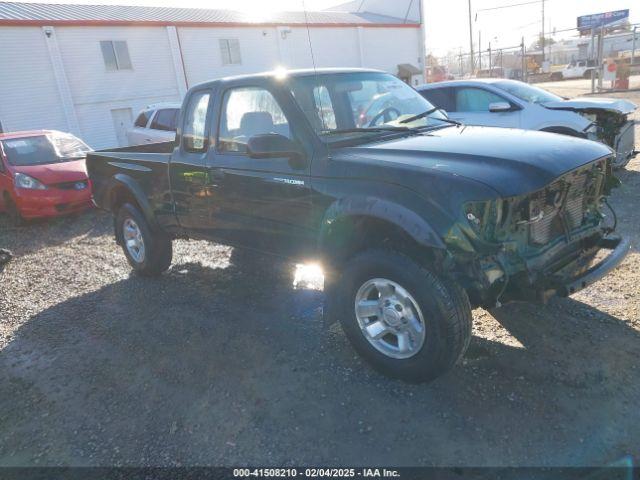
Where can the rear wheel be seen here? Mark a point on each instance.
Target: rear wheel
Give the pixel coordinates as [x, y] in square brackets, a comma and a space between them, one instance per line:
[406, 321]
[148, 251]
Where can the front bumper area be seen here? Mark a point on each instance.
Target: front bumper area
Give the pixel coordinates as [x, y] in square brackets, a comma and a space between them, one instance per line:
[619, 249]
[52, 202]
[551, 285]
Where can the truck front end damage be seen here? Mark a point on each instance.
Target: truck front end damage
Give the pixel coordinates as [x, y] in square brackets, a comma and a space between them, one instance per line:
[534, 246]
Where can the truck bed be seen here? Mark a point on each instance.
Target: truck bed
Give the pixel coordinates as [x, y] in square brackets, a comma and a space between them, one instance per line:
[143, 167]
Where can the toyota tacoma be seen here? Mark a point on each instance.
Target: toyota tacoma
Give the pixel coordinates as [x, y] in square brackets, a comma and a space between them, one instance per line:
[415, 217]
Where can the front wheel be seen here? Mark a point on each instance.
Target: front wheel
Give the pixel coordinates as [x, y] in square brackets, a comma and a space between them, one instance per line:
[148, 251]
[405, 320]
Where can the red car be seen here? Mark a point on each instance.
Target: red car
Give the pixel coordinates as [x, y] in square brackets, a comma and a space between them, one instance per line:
[43, 174]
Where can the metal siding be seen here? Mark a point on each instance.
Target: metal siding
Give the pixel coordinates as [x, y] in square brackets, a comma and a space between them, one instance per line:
[203, 58]
[30, 98]
[118, 13]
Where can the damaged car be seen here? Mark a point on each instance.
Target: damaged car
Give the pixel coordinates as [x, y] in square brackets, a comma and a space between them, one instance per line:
[415, 218]
[497, 102]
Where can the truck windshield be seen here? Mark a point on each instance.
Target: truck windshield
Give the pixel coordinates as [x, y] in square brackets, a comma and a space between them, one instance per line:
[43, 149]
[343, 105]
[527, 92]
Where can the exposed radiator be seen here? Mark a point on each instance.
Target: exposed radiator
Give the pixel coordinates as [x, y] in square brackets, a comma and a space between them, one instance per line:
[561, 203]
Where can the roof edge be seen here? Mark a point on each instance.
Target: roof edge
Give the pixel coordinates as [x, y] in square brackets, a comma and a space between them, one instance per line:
[160, 23]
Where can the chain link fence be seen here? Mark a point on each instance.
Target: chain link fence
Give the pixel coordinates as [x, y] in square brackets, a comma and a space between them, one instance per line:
[562, 55]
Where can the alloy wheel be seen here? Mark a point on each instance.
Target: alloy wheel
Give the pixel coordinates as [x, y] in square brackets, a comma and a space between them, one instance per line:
[390, 318]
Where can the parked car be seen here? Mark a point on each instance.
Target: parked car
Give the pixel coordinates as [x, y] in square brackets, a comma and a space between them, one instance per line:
[43, 174]
[415, 220]
[509, 103]
[156, 123]
[575, 69]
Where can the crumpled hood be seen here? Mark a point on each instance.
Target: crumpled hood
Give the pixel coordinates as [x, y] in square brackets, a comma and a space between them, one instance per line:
[53, 173]
[510, 161]
[616, 105]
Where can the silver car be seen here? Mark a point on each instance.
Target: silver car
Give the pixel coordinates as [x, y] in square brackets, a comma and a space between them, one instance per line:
[497, 102]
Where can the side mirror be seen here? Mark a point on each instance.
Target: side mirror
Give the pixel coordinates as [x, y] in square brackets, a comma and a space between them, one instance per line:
[499, 107]
[273, 145]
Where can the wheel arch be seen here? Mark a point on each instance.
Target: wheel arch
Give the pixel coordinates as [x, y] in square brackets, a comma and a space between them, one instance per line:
[353, 224]
[123, 189]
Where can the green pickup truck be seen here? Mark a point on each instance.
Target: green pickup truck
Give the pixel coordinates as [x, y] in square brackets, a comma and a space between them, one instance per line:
[416, 218]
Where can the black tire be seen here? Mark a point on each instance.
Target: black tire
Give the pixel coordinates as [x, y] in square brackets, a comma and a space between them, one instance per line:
[158, 250]
[14, 213]
[556, 76]
[444, 304]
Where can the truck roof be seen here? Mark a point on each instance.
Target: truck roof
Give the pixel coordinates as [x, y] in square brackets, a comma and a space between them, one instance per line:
[303, 72]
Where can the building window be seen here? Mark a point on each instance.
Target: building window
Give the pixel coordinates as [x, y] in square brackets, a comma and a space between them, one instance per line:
[230, 50]
[116, 55]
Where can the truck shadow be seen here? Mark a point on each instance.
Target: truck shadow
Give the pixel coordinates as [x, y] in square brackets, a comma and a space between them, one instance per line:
[233, 366]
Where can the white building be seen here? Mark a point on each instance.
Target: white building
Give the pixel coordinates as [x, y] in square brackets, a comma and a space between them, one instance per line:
[88, 69]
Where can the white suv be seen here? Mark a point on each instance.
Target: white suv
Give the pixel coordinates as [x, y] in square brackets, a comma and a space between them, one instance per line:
[156, 123]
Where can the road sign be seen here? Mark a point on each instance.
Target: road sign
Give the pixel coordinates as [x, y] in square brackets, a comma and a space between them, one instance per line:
[597, 20]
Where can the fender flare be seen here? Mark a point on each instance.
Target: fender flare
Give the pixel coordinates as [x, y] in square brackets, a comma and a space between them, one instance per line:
[367, 206]
[121, 180]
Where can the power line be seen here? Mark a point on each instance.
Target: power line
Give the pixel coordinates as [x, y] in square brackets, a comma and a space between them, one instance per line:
[508, 6]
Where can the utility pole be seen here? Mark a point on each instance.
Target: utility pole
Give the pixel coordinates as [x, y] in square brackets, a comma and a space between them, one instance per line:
[490, 68]
[479, 49]
[524, 61]
[542, 39]
[633, 48]
[471, 62]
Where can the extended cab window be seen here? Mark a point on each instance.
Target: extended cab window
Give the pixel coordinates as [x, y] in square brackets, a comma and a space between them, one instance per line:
[194, 132]
[247, 112]
[469, 99]
[324, 107]
[166, 119]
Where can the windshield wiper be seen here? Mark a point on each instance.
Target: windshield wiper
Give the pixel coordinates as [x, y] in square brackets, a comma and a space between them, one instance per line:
[426, 114]
[364, 130]
[419, 116]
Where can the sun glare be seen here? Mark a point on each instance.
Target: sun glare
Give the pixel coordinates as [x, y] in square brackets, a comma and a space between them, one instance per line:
[308, 276]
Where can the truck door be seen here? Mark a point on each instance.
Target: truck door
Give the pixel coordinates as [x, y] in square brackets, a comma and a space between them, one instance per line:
[259, 203]
[471, 106]
[188, 167]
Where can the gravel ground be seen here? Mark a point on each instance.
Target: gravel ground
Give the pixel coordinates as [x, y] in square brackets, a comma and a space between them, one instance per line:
[223, 362]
